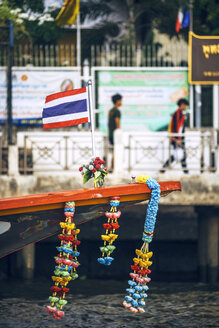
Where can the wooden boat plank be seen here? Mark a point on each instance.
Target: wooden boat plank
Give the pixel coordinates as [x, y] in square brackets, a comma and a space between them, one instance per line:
[82, 197]
[36, 217]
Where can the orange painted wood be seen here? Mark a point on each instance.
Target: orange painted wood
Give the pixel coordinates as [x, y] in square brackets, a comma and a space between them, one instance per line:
[81, 197]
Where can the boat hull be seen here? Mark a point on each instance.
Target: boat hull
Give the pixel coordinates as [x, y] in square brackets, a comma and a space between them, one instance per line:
[28, 219]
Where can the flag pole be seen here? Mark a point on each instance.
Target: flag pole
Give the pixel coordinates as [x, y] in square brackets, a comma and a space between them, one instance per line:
[191, 100]
[90, 102]
[78, 26]
[191, 15]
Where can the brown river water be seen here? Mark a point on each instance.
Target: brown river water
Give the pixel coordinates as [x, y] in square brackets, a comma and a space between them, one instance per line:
[98, 303]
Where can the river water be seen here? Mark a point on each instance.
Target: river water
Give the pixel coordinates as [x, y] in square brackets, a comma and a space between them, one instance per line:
[97, 303]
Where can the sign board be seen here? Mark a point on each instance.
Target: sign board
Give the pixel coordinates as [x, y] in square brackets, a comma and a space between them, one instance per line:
[149, 96]
[203, 59]
[30, 86]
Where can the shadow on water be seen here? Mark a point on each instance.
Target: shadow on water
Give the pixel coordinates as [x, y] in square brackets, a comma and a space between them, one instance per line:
[98, 303]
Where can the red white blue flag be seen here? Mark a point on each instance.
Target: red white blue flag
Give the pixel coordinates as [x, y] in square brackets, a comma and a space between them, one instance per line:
[182, 20]
[66, 108]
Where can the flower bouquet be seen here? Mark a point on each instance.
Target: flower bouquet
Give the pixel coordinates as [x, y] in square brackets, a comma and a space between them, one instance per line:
[94, 169]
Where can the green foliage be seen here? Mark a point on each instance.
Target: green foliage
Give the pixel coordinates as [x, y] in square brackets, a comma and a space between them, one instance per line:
[33, 5]
[46, 33]
[20, 33]
[142, 16]
[206, 17]
[87, 176]
[36, 29]
[136, 22]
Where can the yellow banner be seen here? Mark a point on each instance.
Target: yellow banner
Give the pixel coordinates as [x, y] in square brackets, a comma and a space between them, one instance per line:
[68, 13]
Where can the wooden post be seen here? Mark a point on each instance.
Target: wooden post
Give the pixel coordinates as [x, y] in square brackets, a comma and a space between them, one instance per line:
[213, 249]
[26, 262]
[208, 230]
[202, 248]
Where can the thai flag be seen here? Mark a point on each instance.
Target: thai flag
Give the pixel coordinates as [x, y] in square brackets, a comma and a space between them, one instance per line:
[182, 20]
[66, 108]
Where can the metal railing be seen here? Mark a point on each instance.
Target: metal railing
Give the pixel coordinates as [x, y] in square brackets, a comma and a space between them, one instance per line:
[55, 152]
[142, 152]
[156, 152]
[40, 55]
[124, 55]
[127, 55]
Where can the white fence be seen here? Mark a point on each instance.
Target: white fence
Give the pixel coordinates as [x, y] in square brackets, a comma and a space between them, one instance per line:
[57, 151]
[147, 152]
[133, 152]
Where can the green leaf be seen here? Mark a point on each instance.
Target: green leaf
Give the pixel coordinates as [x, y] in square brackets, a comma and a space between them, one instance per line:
[103, 172]
[97, 176]
[87, 176]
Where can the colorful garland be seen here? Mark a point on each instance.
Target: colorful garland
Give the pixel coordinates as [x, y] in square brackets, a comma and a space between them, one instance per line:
[66, 261]
[94, 169]
[135, 300]
[111, 226]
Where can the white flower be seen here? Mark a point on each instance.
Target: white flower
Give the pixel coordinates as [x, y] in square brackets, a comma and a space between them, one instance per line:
[19, 21]
[45, 18]
[101, 166]
[32, 18]
[23, 15]
[16, 11]
[91, 167]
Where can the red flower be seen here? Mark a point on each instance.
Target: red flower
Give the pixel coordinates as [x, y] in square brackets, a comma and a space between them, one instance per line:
[105, 169]
[102, 162]
[98, 166]
[62, 237]
[142, 272]
[55, 289]
[80, 168]
[60, 294]
[94, 170]
[96, 162]
[69, 238]
[76, 242]
[135, 267]
[115, 225]
[107, 226]
[65, 290]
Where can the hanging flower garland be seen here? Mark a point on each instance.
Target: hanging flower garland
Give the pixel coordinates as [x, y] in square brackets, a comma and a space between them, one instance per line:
[67, 263]
[135, 300]
[94, 169]
[109, 237]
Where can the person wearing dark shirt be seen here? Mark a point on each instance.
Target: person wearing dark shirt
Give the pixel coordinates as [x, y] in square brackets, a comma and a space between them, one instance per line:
[177, 125]
[114, 121]
[114, 116]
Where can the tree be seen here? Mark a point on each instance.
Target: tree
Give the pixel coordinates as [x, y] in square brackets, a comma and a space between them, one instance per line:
[7, 14]
[30, 20]
[140, 17]
[206, 17]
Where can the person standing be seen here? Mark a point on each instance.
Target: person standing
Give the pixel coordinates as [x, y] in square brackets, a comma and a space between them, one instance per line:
[114, 119]
[177, 125]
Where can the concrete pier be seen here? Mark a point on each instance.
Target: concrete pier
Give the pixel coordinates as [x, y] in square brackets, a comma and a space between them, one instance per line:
[202, 248]
[26, 262]
[208, 232]
[213, 249]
